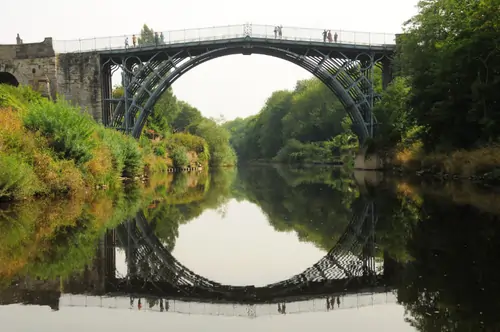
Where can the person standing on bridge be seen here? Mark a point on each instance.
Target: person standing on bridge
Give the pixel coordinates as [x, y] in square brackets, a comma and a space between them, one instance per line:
[126, 42]
[134, 40]
[335, 37]
[280, 31]
[19, 41]
[324, 36]
[275, 32]
[157, 38]
[162, 38]
[329, 36]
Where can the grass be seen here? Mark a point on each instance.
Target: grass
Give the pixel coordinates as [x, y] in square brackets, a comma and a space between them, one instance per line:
[481, 162]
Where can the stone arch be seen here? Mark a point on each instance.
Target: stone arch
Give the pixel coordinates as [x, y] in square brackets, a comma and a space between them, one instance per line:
[8, 78]
[145, 82]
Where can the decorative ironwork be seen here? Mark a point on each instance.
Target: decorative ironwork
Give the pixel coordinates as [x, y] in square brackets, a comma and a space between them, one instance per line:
[247, 29]
[347, 70]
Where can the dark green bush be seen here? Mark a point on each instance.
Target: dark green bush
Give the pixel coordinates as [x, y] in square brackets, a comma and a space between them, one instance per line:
[160, 151]
[179, 156]
[67, 129]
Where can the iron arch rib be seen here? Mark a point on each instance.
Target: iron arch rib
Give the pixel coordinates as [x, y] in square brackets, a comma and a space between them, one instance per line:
[343, 75]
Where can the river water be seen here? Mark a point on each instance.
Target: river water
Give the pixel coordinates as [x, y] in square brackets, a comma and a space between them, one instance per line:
[259, 248]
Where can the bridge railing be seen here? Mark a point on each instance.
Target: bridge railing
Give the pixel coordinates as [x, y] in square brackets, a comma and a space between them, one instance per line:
[348, 302]
[221, 33]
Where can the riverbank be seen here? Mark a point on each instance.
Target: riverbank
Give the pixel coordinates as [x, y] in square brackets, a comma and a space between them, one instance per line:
[50, 148]
[479, 165]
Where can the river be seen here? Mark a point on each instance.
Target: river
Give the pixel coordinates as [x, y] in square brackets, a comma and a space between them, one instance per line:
[258, 248]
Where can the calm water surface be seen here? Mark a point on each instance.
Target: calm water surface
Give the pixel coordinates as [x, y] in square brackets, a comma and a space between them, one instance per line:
[291, 249]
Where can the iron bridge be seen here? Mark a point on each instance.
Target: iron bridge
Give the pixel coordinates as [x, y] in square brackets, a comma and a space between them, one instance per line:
[346, 68]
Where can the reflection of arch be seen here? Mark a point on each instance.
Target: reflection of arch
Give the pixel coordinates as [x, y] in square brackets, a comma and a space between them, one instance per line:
[8, 78]
[347, 261]
[346, 71]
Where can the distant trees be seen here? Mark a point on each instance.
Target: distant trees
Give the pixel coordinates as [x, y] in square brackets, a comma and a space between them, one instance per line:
[295, 126]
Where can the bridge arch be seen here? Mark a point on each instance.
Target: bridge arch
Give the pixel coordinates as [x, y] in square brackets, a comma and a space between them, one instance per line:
[148, 73]
[8, 78]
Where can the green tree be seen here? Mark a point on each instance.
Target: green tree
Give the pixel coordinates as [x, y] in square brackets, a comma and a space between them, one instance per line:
[147, 36]
[451, 53]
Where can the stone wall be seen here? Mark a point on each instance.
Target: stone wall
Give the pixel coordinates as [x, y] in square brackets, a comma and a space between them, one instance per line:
[76, 76]
[78, 79]
[31, 64]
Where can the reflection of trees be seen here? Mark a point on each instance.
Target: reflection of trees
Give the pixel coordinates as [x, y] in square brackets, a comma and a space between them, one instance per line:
[49, 239]
[314, 203]
[452, 283]
[186, 200]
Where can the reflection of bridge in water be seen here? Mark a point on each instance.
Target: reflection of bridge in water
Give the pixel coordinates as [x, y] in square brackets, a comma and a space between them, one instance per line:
[349, 276]
[349, 267]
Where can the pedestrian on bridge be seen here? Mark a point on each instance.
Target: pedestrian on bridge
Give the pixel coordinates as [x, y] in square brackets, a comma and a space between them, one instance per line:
[126, 42]
[134, 40]
[329, 36]
[19, 41]
[157, 38]
[324, 36]
[335, 37]
[280, 31]
[275, 32]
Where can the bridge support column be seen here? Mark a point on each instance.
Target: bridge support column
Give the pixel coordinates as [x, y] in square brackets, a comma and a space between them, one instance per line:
[110, 254]
[107, 91]
[387, 72]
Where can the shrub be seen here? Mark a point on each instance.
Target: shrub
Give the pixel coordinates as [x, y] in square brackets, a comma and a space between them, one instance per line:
[18, 98]
[68, 131]
[133, 158]
[160, 151]
[191, 143]
[179, 156]
[17, 178]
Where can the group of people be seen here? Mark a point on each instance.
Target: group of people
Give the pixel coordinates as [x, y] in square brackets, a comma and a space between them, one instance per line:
[159, 38]
[327, 35]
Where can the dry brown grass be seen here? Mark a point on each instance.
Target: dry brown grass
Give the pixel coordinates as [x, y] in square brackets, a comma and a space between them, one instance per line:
[462, 163]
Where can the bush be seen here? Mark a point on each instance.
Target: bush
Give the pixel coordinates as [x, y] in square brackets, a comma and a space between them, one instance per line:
[160, 151]
[68, 131]
[17, 179]
[191, 143]
[295, 151]
[18, 98]
[133, 158]
[179, 156]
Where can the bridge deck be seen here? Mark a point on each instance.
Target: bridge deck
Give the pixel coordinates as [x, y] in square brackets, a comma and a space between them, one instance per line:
[244, 45]
[296, 46]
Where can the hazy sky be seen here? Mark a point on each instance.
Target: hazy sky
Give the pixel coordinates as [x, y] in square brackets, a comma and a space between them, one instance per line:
[233, 86]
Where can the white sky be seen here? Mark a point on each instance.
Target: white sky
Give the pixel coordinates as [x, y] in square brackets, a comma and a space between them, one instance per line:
[233, 86]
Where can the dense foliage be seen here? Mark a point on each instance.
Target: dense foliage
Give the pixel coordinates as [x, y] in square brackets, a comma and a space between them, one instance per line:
[48, 148]
[306, 125]
[441, 113]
